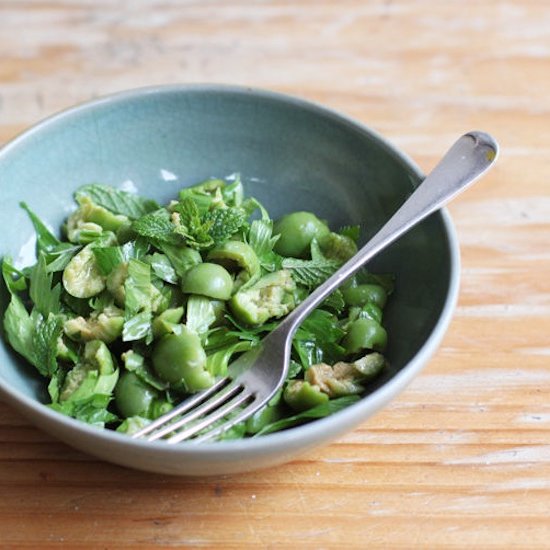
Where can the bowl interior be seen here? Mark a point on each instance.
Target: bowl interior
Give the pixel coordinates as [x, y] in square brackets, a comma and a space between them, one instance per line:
[291, 156]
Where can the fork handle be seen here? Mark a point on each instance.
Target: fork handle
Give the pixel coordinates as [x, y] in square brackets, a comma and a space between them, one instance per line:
[468, 158]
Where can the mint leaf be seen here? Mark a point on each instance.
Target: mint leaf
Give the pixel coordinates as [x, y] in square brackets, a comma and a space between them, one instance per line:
[191, 226]
[33, 336]
[310, 273]
[117, 201]
[157, 225]
[224, 222]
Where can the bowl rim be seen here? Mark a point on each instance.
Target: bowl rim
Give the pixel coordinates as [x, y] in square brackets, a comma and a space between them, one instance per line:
[320, 429]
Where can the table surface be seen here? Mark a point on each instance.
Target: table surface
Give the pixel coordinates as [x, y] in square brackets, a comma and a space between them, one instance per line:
[462, 457]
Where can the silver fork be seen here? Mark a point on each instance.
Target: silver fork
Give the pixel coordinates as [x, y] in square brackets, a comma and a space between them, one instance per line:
[256, 375]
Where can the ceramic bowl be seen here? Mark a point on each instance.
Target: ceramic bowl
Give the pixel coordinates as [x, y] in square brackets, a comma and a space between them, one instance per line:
[292, 155]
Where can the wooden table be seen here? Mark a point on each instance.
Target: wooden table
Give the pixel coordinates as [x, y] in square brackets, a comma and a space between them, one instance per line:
[462, 457]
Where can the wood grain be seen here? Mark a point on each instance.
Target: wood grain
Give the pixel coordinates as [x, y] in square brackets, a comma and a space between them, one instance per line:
[462, 458]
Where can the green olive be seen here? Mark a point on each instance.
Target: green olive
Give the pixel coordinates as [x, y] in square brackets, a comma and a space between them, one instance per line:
[211, 280]
[81, 277]
[300, 395]
[271, 296]
[365, 334]
[179, 359]
[90, 220]
[296, 231]
[98, 356]
[338, 247]
[164, 323]
[369, 311]
[133, 396]
[361, 295]
[236, 252]
[91, 212]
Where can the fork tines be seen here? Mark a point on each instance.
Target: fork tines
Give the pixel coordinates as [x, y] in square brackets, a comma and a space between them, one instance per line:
[196, 414]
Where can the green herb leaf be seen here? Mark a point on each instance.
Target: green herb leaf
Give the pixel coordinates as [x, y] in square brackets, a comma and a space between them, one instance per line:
[157, 225]
[13, 278]
[19, 328]
[200, 314]
[137, 287]
[260, 238]
[224, 222]
[217, 362]
[335, 302]
[137, 327]
[182, 258]
[319, 411]
[90, 399]
[46, 299]
[191, 226]
[137, 311]
[101, 301]
[108, 257]
[58, 257]
[205, 194]
[317, 338]
[44, 343]
[45, 239]
[233, 193]
[351, 231]
[117, 201]
[134, 362]
[251, 333]
[80, 306]
[310, 273]
[162, 267]
[294, 369]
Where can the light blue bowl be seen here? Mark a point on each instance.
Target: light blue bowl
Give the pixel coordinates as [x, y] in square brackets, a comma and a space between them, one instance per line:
[292, 155]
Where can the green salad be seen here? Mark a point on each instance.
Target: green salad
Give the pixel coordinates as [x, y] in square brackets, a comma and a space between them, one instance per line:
[139, 305]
